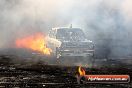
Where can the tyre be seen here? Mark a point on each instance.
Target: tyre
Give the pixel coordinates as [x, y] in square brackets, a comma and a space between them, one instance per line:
[57, 53]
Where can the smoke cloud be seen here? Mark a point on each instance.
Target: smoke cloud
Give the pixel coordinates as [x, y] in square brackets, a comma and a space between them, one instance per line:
[107, 23]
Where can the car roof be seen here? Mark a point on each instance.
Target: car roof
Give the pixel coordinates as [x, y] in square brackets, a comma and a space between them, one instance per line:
[60, 28]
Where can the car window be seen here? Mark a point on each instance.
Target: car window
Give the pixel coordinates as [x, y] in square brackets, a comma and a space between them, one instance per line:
[70, 34]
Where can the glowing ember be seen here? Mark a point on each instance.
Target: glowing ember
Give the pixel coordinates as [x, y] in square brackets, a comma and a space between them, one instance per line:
[81, 71]
[35, 42]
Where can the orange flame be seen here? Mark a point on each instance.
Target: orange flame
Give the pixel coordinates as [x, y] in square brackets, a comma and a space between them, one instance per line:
[35, 42]
[81, 71]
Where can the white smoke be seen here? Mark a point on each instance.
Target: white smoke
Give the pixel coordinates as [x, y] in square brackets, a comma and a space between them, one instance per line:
[98, 18]
[126, 9]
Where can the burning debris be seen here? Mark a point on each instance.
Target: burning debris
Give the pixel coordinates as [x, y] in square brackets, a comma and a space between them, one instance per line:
[34, 42]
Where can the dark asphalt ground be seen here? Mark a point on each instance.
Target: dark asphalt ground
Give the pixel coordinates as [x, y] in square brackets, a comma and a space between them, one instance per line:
[41, 75]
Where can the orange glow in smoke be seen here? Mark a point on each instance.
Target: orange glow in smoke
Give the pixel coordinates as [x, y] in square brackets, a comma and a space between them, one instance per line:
[81, 71]
[35, 42]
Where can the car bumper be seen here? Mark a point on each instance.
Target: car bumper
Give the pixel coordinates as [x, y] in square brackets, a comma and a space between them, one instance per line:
[90, 53]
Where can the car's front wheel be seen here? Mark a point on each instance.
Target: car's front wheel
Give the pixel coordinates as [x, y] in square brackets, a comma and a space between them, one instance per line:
[57, 53]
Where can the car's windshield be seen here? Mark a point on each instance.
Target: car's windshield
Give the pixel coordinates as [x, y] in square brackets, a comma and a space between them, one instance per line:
[73, 34]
